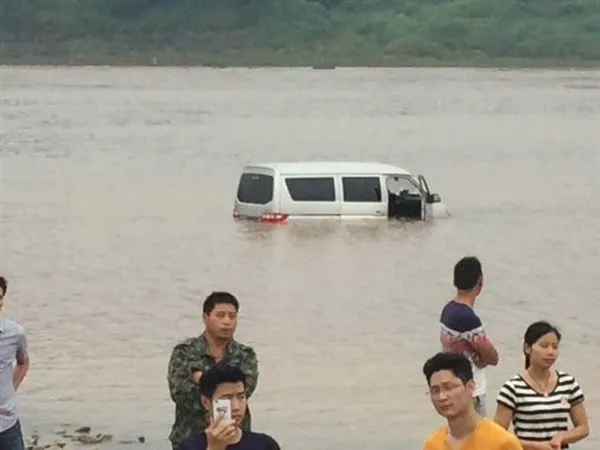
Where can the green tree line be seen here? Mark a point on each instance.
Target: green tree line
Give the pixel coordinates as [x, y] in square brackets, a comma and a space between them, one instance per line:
[299, 32]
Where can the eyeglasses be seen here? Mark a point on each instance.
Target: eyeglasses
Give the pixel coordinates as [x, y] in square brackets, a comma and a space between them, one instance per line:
[437, 391]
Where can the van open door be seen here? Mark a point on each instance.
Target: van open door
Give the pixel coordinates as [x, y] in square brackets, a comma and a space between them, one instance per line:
[430, 199]
[406, 198]
[423, 184]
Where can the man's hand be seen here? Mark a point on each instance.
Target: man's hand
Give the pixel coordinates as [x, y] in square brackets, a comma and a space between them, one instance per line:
[220, 432]
[19, 372]
[196, 376]
[541, 446]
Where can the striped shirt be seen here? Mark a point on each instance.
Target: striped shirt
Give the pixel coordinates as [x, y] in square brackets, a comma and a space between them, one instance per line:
[538, 417]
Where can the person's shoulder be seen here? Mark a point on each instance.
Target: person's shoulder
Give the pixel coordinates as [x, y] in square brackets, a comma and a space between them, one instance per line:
[243, 349]
[509, 441]
[500, 435]
[195, 441]
[459, 317]
[436, 439]
[455, 307]
[515, 381]
[11, 326]
[565, 377]
[451, 306]
[265, 441]
[491, 426]
[187, 348]
[190, 342]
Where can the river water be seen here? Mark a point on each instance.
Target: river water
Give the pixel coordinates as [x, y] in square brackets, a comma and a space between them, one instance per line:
[117, 191]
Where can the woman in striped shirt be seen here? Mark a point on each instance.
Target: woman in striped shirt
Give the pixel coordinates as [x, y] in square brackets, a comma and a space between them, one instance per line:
[540, 400]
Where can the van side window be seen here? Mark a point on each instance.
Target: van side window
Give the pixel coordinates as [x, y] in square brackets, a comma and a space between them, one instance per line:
[311, 189]
[362, 189]
[255, 188]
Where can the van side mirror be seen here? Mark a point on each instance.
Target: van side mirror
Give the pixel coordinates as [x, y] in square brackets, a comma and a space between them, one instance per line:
[433, 198]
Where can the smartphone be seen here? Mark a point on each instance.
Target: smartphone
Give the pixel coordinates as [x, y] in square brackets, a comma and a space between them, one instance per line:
[222, 406]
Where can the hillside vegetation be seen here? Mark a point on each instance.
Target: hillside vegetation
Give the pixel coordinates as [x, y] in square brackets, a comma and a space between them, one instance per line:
[300, 32]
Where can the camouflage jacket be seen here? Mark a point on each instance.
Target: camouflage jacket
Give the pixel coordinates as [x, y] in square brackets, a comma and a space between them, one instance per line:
[192, 355]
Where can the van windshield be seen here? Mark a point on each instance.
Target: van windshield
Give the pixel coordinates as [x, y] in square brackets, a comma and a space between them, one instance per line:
[255, 188]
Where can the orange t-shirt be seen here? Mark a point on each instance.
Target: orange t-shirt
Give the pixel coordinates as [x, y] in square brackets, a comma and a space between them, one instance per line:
[488, 435]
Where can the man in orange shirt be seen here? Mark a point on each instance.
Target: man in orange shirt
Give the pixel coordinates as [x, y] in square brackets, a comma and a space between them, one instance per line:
[451, 386]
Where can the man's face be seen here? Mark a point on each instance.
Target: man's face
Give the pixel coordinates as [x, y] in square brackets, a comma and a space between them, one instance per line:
[449, 395]
[222, 321]
[234, 392]
[1, 299]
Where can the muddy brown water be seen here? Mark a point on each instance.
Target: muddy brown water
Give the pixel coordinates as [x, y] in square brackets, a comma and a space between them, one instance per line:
[117, 191]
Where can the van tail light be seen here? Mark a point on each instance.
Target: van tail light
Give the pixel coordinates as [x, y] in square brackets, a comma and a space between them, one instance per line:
[236, 215]
[274, 218]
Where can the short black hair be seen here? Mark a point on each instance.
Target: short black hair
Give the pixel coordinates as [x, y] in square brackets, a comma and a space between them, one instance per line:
[467, 273]
[3, 285]
[456, 363]
[220, 373]
[219, 297]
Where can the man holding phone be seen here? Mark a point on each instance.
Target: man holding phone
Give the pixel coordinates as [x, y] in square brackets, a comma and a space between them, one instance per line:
[192, 357]
[223, 389]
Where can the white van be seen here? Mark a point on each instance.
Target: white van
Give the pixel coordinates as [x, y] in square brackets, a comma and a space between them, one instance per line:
[278, 192]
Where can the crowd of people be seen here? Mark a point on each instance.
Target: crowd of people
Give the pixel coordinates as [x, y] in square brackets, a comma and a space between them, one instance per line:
[545, 406]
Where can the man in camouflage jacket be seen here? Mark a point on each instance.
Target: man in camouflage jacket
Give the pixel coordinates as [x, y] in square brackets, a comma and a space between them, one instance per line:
[195, 355]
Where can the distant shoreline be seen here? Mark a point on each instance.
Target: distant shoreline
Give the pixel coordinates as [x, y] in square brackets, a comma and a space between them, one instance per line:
[276, 60]
[525, 65]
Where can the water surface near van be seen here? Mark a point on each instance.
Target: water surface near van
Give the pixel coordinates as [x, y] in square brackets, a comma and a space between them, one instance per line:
[117, 193]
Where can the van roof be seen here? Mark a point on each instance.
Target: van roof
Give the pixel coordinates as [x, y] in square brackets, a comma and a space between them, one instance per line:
[329, 167]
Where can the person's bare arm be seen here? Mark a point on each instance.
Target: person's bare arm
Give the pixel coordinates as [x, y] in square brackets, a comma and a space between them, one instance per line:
[22, 357]
[580, 430]
[487, 354]
[503, 416]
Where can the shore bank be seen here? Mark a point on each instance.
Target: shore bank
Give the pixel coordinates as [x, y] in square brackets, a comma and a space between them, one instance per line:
[24, 56]
[82, 436]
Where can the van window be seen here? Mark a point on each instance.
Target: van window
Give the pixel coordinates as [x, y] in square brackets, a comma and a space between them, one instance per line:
[255, 188]
[362, 189]
[311, 189]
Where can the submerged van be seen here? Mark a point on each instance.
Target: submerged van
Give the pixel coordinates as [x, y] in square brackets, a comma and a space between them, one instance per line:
[278, 192]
